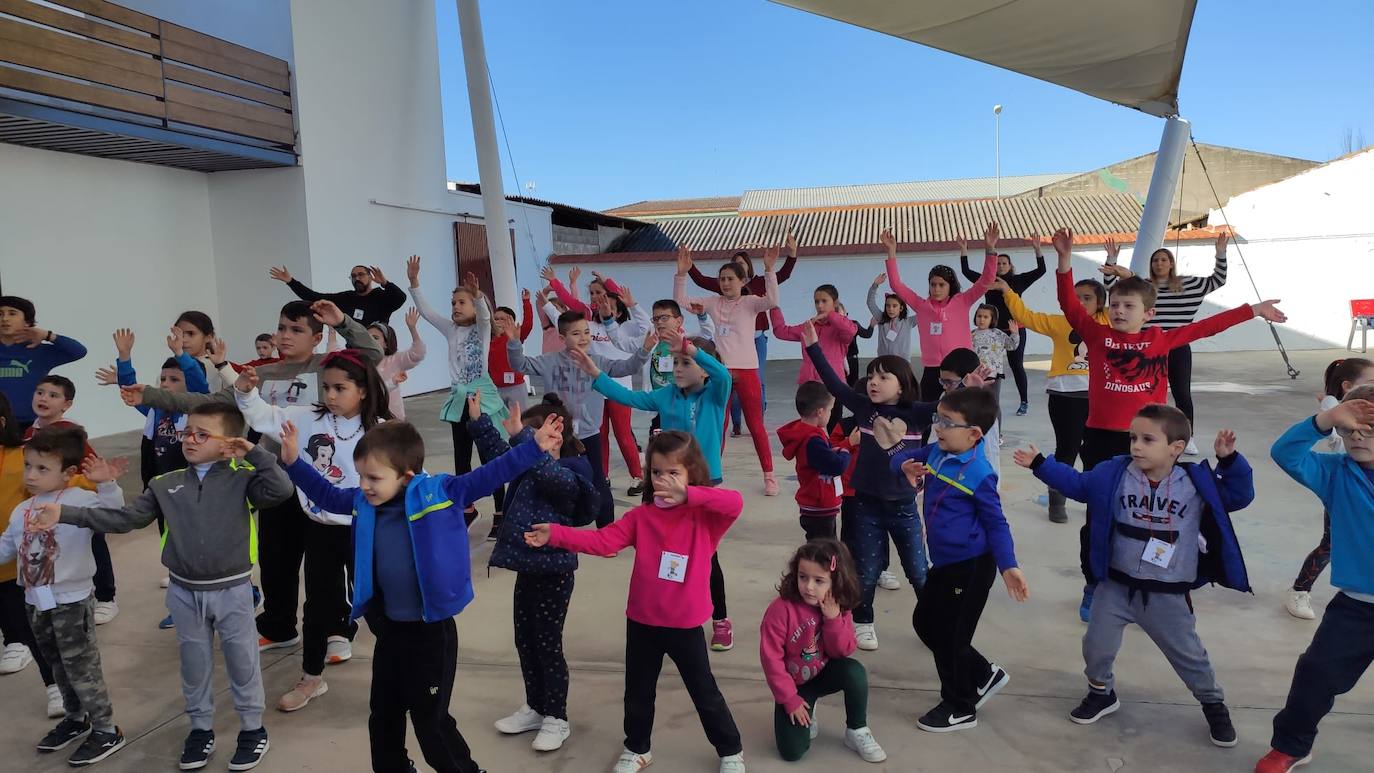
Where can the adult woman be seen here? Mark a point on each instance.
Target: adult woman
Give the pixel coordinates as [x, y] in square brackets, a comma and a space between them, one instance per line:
[1019, 283]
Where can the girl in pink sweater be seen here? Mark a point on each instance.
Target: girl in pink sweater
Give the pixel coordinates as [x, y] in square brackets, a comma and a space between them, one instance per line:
[805, 644]
[674, 534]
[834, 328]
[942, 319]
[734, 313]
[394, 365]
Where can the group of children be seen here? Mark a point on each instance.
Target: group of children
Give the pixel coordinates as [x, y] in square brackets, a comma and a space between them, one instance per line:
[337, 484]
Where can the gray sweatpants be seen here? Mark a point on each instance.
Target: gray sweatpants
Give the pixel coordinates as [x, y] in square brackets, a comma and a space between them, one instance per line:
[1166, 619]
[198, 616]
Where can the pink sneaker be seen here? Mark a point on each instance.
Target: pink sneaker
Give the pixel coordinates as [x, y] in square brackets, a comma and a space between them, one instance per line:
[722, 635]
[770, 485]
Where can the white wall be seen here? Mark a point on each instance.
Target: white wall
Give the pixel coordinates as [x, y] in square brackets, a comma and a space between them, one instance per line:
[262, 25]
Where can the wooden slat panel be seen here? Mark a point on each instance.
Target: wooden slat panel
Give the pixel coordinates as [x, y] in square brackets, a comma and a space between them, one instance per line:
[229, 123]
[22, 53]
[261, 113]
[80, 92]
[182, 44]
[54, 18]
[175, 72]
[115, 13]
[82, 49]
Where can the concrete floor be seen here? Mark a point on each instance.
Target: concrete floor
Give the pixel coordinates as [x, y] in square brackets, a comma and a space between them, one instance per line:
[1253, 642]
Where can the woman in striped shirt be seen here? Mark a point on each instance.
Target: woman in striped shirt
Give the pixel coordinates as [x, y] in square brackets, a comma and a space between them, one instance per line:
[1177, 305]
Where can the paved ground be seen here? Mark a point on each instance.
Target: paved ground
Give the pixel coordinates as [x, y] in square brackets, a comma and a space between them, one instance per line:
[1252, 640]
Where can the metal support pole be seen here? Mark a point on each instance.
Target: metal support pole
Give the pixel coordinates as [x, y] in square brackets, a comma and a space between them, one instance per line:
[1159, 201]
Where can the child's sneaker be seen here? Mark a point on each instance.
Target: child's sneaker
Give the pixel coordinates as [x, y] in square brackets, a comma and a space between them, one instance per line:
[57, 706]
[495, 530]
[732, 764]
[552, 733]
[942, 719]
[17, 657]
[995, 683]
[265, 644]
[630, 762]
[105, 611]
[1191, 450]
[96, 747]
[1278, 762]
[770, 485]
[164, 581]
[1297, 602]
[306, 690]
[67, 730]
[1219, 723]
[722, 635]
[1023, 410]
[166, 623]
[337, 649]
[523, 720]
[1085, 607]
[1096, 705]
[862, 742]
[195, 753]
[251, 748]
[636, 489]
[888, 581]
[867, 636]
[814, 728]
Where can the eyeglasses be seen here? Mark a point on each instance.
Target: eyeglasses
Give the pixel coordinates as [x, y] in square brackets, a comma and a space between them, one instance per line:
[944, 422]
[662, 317]
[1358, 434]
[200, 436]
[950, 383]
[361, 274]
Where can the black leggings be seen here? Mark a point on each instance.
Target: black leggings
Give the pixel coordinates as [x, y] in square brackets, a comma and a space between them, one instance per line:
[1317, 559]
[1016, 361]
[931, 388]
[1181, 379]
[1068, 415]
[718, 610]
[462, 445]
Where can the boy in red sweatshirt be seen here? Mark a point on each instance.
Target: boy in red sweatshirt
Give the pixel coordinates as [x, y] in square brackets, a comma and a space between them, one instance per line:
[819, 465]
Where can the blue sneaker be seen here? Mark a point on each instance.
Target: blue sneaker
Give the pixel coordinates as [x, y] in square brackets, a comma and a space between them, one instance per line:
[1085, 608]
[257, 598]
[166, 623]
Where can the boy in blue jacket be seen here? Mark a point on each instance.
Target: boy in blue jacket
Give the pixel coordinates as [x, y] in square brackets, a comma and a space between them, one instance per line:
[970, 543]
[411, 576]
[1157, 529]
[1343, 646]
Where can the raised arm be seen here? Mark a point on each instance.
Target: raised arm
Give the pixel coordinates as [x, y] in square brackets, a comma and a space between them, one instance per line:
[894, 275]
[1038, 321]
[708, 283]
[984, 280]
[781, 330]
[842, 392]
[568, 299]
[526, 315]
[196, 380]
[1218, 277]
[114, 520]
[470, 487]
[515, 354]
[441, 323]
[330, 498]
[270, 485]
[613, 391]
[966, 269]
[873, 306]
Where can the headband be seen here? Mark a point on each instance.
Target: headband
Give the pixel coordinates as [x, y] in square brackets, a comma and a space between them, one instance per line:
[347, 355]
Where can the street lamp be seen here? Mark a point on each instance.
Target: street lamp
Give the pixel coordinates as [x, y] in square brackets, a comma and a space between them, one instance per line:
[997, 145]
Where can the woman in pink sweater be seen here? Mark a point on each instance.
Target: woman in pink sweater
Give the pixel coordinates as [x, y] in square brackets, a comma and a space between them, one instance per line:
[805, 644]
[733, 313]
[674, 534]
[942, 319]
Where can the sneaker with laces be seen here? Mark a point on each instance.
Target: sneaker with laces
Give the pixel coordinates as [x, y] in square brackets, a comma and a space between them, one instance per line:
[17, 657]
[996, 681]
[632, 762]
[636, 489]
[67, 730]
[1278, 762]
[96, 747]
[943, 719]
[337, 649]
[252, 746]
[306, 690]
[166, 623]
[495, 530]
[888, 581]
[57, 706]
[265, 644]
[1096, 705]
[196, 751]
[770, 485]
[1085, 607]
[862, 742]
[722, 635]
[257, 599]
[1297, 602]
[1191, 450]
[867, 636]
[552, 733]
[523, 720]
[1023, 410]
[732, 764]
[105, 611]
[1219, 724]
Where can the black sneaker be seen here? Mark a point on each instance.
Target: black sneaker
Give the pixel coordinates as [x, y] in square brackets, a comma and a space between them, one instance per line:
[942, 719]
[1096, 705]
[96, 747]
[252, 747]
[635, 490]
[1219, 722]
[996, 681]
[195, 753]
[495, 527]
[67, 730]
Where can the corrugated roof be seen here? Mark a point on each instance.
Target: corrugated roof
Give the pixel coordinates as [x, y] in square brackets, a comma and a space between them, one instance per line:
[881, 194]
[678, 206]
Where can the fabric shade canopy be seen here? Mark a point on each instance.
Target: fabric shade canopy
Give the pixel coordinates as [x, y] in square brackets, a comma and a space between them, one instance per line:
[1125, 51]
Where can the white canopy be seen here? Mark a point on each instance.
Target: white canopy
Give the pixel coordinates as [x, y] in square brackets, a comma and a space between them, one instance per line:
[1124, 51]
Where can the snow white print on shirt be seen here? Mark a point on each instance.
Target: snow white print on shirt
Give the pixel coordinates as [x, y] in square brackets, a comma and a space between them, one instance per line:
[321, 449]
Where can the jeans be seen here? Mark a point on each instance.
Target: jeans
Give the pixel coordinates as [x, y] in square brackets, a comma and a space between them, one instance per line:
[874, 521]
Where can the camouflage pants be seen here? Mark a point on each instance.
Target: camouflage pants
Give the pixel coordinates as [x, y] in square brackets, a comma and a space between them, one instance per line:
[66, 638]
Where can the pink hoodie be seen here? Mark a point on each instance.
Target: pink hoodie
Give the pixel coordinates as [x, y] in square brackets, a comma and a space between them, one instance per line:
[795, 643]
[835, 332]
[664, 538]
[943, 325]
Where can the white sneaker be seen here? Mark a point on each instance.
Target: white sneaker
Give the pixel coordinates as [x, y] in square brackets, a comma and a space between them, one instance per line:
[552, 733]
[630, 762]
[337, 649]
[732, 764]
[105, 611]
[1191, 450]
[164, 582]
[815, 726]
[523, 720]
[16, 658]
[888, 581]
[56, 706]
[867, 636]
[862, 742]
[1297, 602]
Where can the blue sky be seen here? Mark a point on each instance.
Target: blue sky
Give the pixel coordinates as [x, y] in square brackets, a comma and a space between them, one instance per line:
[615, 101]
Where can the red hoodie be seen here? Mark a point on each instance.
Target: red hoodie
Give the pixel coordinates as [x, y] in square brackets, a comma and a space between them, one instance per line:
[818, 467]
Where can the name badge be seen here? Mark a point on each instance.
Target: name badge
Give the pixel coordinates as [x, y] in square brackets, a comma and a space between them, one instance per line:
[46, 599]
[839, 485]
[663, 364]
[723, 331]
[358, 314]
[509, 377]
[1158, 552]
[672, 567]
[891, 335]
[937, 328]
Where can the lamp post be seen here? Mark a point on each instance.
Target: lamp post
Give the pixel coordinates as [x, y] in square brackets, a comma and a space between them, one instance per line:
[997, 145]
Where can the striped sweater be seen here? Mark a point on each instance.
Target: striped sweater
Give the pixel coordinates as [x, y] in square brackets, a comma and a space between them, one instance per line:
[1176, 309]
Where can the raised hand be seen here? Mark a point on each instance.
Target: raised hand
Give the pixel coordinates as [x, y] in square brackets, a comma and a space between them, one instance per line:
[914, 472]
[549, 436]
[888, 240]
[880, 279]
[475, 405]
[101, 470]
[498, 326]
[132, 395]
[1016, 584]
[963, 244]
[1035, 243]
[413, 270]
[124, 343]
[809, 336]
[413, 320]
[279, 273]
[546, 273]
[237, 448]
[512, 423]
[1225, 444]
[650, 340]
[107, 376]
[538, 535]
[43, 517]
[990, 236]
[584, 361]
[574, 274]
[290, 448]
[674, 337]
[328, 313]
[697, 307]
[1350, 415]
[247, 380]
[684, 259]
[174, 343]
[1115, 269]
[1063, 246]
[980, 376]
[218, 351]
[1113, 249]
[791, 244]
[627, 297]
[1024, 456]
[471, 283]
[670, 490]
[770, 258]
[1222, 238]
[1269, 310]
[377, 275]
[525, 294]
[830, 608]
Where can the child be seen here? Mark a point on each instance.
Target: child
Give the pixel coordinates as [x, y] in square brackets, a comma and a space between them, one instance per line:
[209, 547]
[836, 332]
[1343, 646]
[1008, 278]
[558, 489]
[1150, 518]
[396, 363]
[667, 317]
[819, 467]
[265, 346]
[510, 383]
[992, 344]
[549, 309]
[1341, 377]
[673, 533]
[55, 568]
[970, 542]
[893, 321]
[1067, 381]
[28, 352]
[805, 643]
[943, 316]
[961, 368]
[889, 418]
[193, 340]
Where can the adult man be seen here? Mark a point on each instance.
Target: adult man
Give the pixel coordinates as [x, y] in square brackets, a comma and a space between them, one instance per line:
[372, 299]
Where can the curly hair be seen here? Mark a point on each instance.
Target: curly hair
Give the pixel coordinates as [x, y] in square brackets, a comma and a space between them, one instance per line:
[825, 553]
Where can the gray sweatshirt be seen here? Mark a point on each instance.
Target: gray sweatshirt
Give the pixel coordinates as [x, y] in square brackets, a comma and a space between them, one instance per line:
[212, 540]
[561, 375]
[1170, 513]
[894, 335]
[55, 566]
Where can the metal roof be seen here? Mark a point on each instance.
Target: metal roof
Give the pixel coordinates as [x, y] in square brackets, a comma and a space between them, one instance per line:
[677, 206]
[879, 194]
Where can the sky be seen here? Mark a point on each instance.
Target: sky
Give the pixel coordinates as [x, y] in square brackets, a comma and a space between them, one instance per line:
[611, 102]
